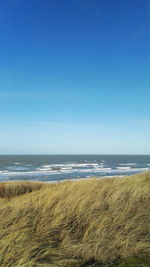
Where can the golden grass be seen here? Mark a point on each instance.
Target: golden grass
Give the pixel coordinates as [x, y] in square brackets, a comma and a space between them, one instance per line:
[98, 222]
[13, 189]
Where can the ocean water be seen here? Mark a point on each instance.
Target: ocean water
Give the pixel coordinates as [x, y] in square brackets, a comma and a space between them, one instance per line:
[61, 167]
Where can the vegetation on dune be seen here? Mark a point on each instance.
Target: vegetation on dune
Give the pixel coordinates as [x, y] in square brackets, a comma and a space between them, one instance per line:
[97, 222]
[14, 189]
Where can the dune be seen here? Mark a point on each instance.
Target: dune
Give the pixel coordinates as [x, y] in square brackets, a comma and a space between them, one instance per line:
[96, 222]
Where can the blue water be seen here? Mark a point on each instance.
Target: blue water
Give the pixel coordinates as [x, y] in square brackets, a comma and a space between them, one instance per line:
[61, 167]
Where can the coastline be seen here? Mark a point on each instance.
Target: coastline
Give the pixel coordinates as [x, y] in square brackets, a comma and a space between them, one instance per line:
[63, 167]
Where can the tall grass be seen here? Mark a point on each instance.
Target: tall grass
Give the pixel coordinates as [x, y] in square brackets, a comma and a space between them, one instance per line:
[98, 222]
[13, 189]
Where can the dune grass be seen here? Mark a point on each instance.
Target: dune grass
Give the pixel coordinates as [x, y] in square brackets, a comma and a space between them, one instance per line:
[14, 189]
[97, 222]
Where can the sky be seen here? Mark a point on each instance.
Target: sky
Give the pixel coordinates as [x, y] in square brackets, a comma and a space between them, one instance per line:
[74, 77]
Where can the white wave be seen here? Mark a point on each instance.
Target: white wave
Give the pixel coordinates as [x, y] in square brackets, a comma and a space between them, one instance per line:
[71, 165]
[133, 170]
[46, 166]
[3, 171]
[124, 168]
[101, 169]
[44, 169]
[49, 171]
[127, 164]
[53, 172]
[95, 170]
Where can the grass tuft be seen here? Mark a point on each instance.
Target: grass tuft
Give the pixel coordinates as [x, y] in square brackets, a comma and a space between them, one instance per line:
[14, 189]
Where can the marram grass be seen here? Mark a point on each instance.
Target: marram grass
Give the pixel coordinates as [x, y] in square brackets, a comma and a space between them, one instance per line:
[97, 222]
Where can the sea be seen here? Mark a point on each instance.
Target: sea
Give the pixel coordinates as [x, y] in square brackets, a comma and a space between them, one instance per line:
[54, 168]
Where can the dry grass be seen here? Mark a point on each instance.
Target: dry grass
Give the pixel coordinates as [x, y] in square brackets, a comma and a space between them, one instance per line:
[13, 189]
[98, 222]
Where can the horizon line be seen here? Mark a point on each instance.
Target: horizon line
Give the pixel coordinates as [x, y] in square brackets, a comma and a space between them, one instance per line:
[74, 154]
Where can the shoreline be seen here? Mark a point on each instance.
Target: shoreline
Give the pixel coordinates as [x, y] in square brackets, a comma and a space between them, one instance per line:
[69, 180]
[76, 179]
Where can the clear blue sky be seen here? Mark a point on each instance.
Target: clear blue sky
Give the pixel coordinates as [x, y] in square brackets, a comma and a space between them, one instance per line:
[75, 76]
